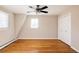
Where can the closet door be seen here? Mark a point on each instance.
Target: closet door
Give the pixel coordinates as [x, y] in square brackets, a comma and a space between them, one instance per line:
[65, 28]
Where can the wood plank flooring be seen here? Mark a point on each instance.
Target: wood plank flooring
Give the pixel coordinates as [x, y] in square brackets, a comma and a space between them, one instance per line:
[38, 46]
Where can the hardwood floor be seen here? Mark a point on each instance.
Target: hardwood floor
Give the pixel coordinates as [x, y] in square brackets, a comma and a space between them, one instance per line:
[35, 46]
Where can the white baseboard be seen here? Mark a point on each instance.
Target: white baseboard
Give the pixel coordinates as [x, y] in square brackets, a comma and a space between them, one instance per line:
[74, 49]
[7, 43]
[37, 38]
[71, 46]
[66, 42]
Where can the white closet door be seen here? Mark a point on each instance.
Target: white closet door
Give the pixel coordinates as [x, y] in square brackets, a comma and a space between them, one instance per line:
[65, 28]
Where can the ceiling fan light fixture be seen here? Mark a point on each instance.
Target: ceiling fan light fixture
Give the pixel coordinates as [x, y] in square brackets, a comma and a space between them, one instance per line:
[40, 10]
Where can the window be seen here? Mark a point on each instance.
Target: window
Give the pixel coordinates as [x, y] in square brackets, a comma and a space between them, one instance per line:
[34, 23]
[3, 19]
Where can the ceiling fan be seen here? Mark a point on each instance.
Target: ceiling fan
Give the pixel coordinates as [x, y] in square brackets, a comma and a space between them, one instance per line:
[39, 9]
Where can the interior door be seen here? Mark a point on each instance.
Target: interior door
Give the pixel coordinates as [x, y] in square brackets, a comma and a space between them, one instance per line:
[64, 30]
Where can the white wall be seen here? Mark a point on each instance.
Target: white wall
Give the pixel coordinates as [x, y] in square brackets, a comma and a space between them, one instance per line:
[75, 28]
[19, 22]
[7, 34]
[48, 26]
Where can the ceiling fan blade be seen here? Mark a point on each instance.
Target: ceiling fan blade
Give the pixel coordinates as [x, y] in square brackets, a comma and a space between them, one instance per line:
[44, 11]
[43, 7]
[30, 6]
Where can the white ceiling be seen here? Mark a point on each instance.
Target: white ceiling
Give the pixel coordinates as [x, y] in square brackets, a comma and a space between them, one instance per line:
[23, 9]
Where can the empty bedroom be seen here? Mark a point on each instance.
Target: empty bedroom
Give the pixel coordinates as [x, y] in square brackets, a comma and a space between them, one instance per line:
[39, 28]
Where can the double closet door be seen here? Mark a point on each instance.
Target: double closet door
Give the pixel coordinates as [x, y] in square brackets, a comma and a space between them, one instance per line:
[64, 28]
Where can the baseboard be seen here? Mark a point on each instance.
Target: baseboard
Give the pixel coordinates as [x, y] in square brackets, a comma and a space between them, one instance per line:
[65, 42]
[74, 49]
[71, 46]
[37, 38]
[7, 43]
